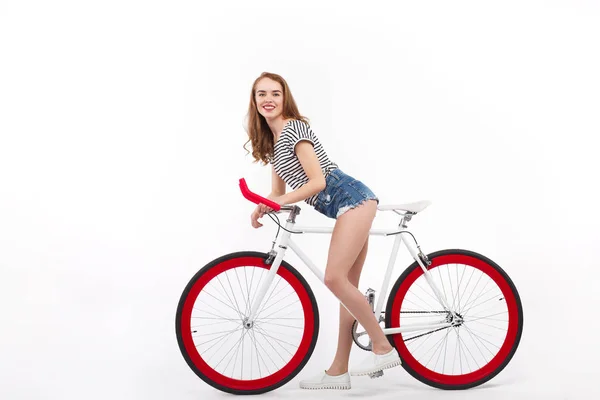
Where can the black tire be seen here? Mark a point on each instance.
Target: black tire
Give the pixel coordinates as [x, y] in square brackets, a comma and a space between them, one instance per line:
[283, 267]
[515, 335]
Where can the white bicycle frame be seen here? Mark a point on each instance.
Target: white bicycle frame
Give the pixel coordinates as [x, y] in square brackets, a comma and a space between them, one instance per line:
[286, 241]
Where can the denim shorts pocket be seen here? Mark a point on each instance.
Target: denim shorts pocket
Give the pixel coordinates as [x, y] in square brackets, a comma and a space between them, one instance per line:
[362, 189]
[333, 174]
[327, 195]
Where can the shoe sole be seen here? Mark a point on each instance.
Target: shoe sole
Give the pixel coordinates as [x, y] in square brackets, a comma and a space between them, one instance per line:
[391, 364]
[342, 386]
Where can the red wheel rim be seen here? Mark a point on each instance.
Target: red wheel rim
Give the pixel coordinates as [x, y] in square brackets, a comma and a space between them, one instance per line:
[255, 384]
[505, 349]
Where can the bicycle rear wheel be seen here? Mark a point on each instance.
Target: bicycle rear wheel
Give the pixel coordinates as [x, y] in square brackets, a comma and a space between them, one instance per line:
[226, 353]
[487, 325]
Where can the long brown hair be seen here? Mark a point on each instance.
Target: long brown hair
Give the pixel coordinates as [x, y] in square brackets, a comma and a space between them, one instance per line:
[259, 133]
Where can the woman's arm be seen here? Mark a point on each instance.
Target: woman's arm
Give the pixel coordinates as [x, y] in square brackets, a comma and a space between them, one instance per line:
[277, 185]
[316, 181]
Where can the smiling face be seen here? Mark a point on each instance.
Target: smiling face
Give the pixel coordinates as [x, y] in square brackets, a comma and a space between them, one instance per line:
[269, 98]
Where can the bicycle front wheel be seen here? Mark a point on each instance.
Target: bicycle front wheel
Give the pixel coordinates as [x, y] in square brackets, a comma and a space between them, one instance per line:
[485, 312]
[218, 344]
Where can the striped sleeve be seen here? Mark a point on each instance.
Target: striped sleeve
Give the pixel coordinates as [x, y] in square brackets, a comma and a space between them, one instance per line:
[300, 131]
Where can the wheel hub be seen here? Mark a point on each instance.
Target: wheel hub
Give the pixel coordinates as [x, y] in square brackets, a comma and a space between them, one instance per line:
[455, 319]
[247, 324]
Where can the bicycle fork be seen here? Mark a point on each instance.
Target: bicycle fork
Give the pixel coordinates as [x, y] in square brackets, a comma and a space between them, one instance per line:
[275, 259]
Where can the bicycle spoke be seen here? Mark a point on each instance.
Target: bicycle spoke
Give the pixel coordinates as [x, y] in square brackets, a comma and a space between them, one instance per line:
[454, 361]
[445, 352]
[288, 326]
[236, 353]
[214, 323]
[413, 316]
[259, 331]
[485, 332]
[278, 340]
[222, 302]
[427, 337]
[266, 353]
[296, 301]
[428, 293]
[216, 315]
[443, 287]
[406, 299]
[263, 273]
[248, 303]
[437, 346]
[473, 291]
[455, 297]
[481, 340]
[254, 288]
[445, 347]
[227, 294]
[242, 366]
[466, 286]
[241, 290]
[247, 299]
[213, 307]
[268, 298]
[459, 350]
[471, 354]
[276, 302]
[257, 355]
[491, 326]
[233, 293]
[496, 296]
[450, 279]
[212, 333]
[488, 317]
[226, 333]
[481, 294]
[214, 344]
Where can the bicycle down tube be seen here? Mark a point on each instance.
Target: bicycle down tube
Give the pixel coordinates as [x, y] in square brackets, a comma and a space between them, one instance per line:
[286, 241]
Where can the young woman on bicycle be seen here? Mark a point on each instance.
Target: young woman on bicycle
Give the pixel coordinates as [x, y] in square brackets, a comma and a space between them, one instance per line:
[280, 136]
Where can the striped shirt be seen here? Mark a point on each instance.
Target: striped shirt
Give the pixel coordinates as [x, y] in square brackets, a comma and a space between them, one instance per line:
[285, 161]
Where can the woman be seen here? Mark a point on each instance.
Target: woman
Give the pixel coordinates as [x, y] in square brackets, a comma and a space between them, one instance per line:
[282, 137]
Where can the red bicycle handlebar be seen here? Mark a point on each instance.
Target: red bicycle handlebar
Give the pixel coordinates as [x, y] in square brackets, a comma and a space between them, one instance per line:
[255, 198]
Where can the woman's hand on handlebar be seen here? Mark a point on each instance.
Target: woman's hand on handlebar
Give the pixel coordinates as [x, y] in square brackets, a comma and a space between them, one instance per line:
[260, 210]
[256, 214]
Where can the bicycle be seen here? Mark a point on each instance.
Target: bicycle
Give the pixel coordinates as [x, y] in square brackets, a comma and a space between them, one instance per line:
[271, 317]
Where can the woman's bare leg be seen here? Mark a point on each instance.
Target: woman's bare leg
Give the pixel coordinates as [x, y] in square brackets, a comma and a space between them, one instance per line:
[342, 356]
[349, 235]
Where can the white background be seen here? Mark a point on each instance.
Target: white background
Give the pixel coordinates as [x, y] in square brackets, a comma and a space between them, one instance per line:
[121, 128]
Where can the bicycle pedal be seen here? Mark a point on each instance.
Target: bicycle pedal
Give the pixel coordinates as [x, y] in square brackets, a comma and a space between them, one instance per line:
[377, 374]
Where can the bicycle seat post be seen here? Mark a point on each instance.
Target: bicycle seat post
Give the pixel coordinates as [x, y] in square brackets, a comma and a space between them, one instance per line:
[406, 218]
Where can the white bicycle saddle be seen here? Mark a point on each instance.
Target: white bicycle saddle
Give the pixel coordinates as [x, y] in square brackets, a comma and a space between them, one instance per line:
[414, 207]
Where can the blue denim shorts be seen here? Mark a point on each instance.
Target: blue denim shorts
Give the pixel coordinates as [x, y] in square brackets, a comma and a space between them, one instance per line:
[341, 194]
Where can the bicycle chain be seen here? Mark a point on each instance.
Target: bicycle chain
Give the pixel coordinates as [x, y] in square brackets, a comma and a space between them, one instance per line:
[425, 312]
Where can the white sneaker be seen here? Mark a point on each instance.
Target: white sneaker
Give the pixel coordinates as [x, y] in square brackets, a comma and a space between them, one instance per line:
[325, 381]
[377, 362]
